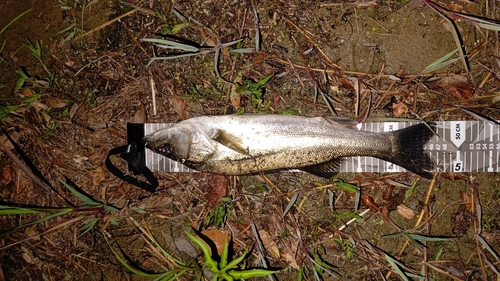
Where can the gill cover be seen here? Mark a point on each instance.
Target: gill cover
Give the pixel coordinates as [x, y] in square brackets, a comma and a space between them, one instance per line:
[183, 142]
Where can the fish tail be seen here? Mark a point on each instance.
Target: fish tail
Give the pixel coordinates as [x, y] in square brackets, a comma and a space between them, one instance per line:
[408, 149]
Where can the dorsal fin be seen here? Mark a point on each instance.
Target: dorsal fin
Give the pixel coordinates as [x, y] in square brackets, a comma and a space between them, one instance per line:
[341, 120]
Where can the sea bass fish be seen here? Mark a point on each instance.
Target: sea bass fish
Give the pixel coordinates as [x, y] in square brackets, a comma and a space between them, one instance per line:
[254, 143]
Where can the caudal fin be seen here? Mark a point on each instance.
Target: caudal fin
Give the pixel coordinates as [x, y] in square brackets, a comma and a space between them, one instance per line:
[408, 149]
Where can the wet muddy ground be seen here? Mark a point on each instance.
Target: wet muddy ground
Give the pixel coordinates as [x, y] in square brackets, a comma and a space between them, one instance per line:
[67, 101]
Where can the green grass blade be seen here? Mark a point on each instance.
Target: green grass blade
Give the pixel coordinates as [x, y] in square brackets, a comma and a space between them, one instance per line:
[231, 43]
[243, 51]
[167, 44]
[290, 204]
[486, 246]
[176, 56]
[111, 209]
[178, 27]
[171, 275]
[419, 237]
[456, 34]
[16, 210]
[225, 253]
[485, 23]
[346, 186]
[212, 265]
[87, 226]
[393, 236]
[441, 62]
[84, 198]
[251, 273]
[6, 110]
[45, 218]
[35, 49]
[397, 268]
[14, 20]
[235, 262]
[130, 267]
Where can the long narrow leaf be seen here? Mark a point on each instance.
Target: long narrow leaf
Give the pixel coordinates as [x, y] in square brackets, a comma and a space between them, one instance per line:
[243, 51]
[129, 267]
[441, 62]
[17, 210]
[87, 226]
[176, 56]
[14, 20]
[84, 198]
[45, 218]
[163, 43]
[346, 186]
[396, 268]
[212, 265]
[235, 262]
[291, 203]
[486, 246]
[419, 237]
[251, 273]
[225, 253]
[456, 35]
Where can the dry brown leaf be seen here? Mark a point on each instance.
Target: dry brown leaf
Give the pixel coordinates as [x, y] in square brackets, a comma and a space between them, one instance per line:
[111, 74]
[465, 199]
[214, 186]
[179, 106]
[6, 142]
[235, 98]
[399, 109]
[367, 200]
[140, 114]
[455, 7]
[346, 82]
[457, 86]
[454, 176]
[57, 102]
[26, 92]
[148, 263]
[73, 110]
[290, 260]
[155, 202]
[27, 255]
[70, 63]
[269, 244]
[218, 237]
[461, 220]
[405, 212]
[7, 175]
[98, 176]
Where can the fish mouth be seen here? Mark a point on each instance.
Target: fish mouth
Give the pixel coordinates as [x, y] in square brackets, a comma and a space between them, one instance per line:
[149, 143]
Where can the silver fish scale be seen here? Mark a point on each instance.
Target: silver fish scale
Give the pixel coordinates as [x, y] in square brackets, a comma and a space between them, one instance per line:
[462, 146]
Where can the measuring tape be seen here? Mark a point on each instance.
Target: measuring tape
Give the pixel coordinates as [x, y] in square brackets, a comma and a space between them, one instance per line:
[459, 146]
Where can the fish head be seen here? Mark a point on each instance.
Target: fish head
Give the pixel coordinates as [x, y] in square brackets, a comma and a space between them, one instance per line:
[181, 142]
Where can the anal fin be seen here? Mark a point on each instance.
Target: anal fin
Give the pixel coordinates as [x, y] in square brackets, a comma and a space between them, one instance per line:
[325, 170]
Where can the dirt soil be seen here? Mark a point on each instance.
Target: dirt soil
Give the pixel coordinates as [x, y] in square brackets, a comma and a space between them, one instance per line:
[67, 100]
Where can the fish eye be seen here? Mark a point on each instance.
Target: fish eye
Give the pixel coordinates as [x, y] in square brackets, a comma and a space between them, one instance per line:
[165, 149]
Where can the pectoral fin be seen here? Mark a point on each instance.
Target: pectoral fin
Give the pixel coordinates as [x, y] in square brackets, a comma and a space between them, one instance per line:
[325, 170]
[229, 141]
